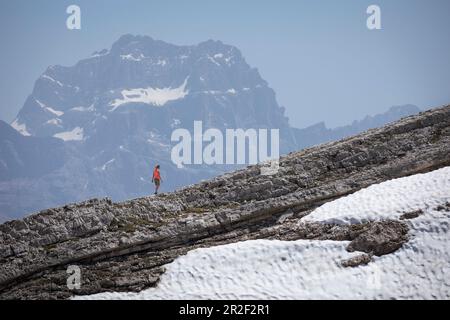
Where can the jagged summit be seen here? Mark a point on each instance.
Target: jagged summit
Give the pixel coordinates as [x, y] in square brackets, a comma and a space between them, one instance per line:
[214, 76]
[123, 246]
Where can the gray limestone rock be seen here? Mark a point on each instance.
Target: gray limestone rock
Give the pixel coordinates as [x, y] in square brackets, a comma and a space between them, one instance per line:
[124, 246]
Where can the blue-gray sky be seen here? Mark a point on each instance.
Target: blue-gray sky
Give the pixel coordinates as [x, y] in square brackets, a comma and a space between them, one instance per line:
[318, 55]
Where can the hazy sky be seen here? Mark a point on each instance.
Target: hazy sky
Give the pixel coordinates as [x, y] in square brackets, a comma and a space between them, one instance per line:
[318, 55]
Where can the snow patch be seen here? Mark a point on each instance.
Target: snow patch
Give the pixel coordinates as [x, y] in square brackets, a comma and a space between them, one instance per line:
[55, 122]
[77, 134]
[158, 143]
[213, 60]
[44, 76]
[100, 53]
[214, 92]
[20, 127]
[387, 200]
[83, 109]
[175, 123]
[161, 63]
[157, 97]
[131, 57]
[55, 112]
[156, 139]
[48, 109]
[229, 60]
[103, 168]
[40, 104]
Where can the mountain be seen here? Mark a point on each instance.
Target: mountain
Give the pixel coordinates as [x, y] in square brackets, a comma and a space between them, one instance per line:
[115, 113]
[395, 226]
[24, 159]
[118, 108]
[145, 88]
[28, 157]
[319, 133]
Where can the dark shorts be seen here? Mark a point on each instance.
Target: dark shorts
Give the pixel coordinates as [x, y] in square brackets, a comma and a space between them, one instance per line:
[157, 182]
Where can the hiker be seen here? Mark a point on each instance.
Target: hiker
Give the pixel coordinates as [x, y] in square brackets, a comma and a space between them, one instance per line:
[156, 178]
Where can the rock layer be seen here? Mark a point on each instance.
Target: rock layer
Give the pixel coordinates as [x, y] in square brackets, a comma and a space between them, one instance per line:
[124, 246]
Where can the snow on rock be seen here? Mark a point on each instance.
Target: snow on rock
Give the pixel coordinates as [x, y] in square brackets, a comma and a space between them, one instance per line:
[221, 56]
[46, 77]
[104, 167]
[246, 270]
[156, 97]
[304, 269]
[213, 60]
[131, 57]
[161, 62]
[55, 112]
[54, 122]
[101, 53]
[83, 109]
[387, 200]
[77, 134]
[175, 123]
[20, 127]
[48, 109]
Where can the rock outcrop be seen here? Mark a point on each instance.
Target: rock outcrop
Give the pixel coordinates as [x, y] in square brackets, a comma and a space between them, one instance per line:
[124, 246]
[380, 238]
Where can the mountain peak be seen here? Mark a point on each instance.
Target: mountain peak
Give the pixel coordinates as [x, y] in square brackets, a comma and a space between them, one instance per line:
[130, 38]
[146, 45]
[138, 44]
[211, 43]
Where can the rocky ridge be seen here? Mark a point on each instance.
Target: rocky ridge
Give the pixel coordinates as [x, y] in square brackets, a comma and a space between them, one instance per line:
[124, 246]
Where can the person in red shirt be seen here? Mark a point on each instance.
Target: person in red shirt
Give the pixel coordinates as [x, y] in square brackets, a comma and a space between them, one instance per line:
[156, 178]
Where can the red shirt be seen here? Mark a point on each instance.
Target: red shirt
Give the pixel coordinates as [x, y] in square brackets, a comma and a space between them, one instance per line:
[156, 174]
